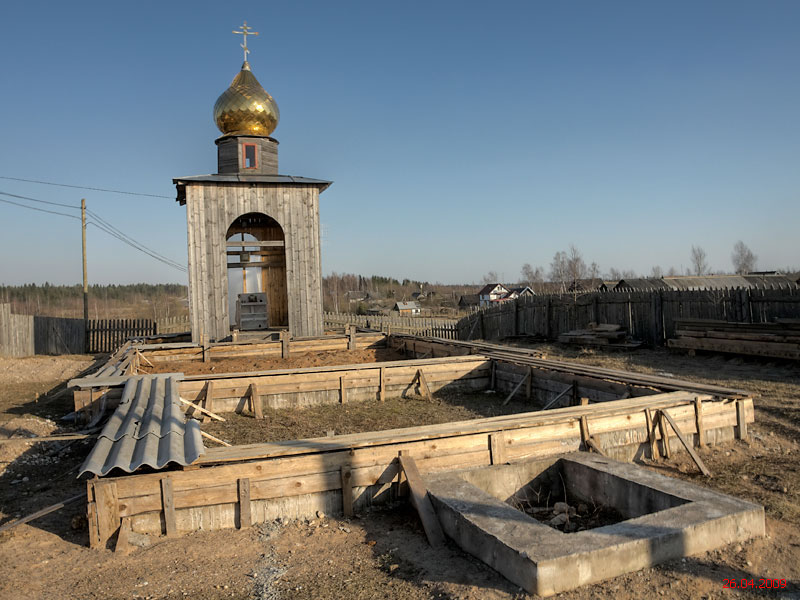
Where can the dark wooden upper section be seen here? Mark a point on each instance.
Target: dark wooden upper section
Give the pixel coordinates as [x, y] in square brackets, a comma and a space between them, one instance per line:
[232, 155]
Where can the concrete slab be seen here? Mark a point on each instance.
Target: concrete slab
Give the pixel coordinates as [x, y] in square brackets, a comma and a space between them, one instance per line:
[665, 519]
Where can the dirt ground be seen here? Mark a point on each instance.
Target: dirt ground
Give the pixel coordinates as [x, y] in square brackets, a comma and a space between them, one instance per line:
[253, 363]
[384, 554]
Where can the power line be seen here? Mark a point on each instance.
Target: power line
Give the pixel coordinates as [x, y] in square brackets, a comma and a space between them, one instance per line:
[40, 201]
[101, 224]
[83, 187]
[52, 212]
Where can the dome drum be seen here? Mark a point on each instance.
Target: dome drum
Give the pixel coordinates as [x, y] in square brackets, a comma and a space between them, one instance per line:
[247, 154]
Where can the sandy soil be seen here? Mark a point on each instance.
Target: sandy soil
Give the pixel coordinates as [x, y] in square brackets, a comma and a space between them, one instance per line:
[384, 554]
[296, 361]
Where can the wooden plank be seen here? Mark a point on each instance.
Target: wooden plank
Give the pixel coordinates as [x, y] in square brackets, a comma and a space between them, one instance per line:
[559, 396]
[497, 445]
[214, 439]
[382, 384]
[592, 444]
[105, 495]
[421, 501]
[245, 518]
[168, 507]
[342, 390]
[257, 401]
[91, 518]
[208, 400]
[347, 491]
[51, 509]
[741, 420]
[695, 457]
[123, 539]
[584, 430]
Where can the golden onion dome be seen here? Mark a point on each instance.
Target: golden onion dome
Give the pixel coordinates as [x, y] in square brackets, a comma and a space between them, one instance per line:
[246, 108]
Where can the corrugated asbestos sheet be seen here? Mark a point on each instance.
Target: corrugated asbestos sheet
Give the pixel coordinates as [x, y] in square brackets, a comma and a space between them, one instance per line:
[148, 428]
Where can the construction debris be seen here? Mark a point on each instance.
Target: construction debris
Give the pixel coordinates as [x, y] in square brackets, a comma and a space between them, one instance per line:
[600, 334]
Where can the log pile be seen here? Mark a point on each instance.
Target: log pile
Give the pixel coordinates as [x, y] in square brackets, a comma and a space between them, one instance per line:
[775, 340]
[599, 334]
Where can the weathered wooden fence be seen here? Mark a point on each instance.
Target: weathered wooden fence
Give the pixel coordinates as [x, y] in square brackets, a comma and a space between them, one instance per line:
[445, 328]
[106, 335]
[26, 335]
[648, 316]
[178, 324]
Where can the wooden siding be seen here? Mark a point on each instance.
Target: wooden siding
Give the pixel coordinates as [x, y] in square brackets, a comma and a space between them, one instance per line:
[210, 210]
[26, 335]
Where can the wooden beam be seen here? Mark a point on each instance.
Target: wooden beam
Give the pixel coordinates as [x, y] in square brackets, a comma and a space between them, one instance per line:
[351, 337]
[741, 420]
[382, 384]
[168, 507]
[245, 518]
[423, 383]
[421, 501]
[529, 387]
[557, 398]
[347, 491]
[208, 400]
[695, 457]
[267, 244]
[214, 439]
[201, 409]
[584, 430]
[592, 444]
[123, 539]
[105, 495]
[42, 512]
[284, 339]
[342, 390]
[516, 388]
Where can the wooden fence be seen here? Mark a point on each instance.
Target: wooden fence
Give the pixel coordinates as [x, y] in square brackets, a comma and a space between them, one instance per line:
[445, 328]
[106, 335]
[180, 324]
[648, 316]
[26, 335]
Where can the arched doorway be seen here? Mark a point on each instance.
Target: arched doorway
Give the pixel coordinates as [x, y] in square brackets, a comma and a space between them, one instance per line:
[256, 257]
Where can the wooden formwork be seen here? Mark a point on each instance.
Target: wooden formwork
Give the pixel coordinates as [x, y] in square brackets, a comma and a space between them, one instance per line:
[297, 478]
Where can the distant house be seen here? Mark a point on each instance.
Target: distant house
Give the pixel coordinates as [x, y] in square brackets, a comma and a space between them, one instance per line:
[634, 284]
[469, 301]
[356, 295]
[407, 308]
[492, 292]
[375, 311]
[520, 292]
[419, 295]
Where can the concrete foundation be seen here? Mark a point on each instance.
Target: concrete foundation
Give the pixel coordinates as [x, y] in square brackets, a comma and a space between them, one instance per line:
[665, 519]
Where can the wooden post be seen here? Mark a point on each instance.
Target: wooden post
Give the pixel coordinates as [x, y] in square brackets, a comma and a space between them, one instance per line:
[85, 277]
[284, 338]
[382, 385]
[208, 400]
[493, 375]
[245, 517]
[423, 384]
[107, 506]
[255, 398]
[529, 386]
[651, 434]
[584, 431]
[342, 390]
[497, 448]
[741, 420]
[698, 419]
[662, 429]
[168, 505]
[347, 491]
[351, 337]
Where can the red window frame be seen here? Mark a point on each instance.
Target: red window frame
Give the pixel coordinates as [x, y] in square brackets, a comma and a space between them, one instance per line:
[244, 156]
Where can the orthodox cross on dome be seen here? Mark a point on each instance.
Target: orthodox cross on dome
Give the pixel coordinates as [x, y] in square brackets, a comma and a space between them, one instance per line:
[245, 31]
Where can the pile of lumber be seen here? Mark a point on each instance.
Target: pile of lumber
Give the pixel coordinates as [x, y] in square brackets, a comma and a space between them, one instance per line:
[775, 340]
[599, 334]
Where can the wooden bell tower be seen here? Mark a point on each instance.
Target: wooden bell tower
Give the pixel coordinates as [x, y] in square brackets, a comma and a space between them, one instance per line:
[249, 223]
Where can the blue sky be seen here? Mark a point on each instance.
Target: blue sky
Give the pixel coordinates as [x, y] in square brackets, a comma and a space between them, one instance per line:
[462, 137]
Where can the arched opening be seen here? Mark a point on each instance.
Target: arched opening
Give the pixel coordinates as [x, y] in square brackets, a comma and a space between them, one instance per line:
[256, 253]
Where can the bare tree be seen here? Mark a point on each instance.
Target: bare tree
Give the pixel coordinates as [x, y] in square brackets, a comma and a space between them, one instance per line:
[594, 271]
[491, 277]
[699, 263]
[559, 270]
[743, 259]
[656, 272]
[532, 276]
[672, 272]
[576, 267]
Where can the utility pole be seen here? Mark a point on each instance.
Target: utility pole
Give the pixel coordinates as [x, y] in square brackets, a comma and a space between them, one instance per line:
[85, 277]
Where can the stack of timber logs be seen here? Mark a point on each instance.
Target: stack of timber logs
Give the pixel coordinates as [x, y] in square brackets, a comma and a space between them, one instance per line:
[776, 340]
[599, 334]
